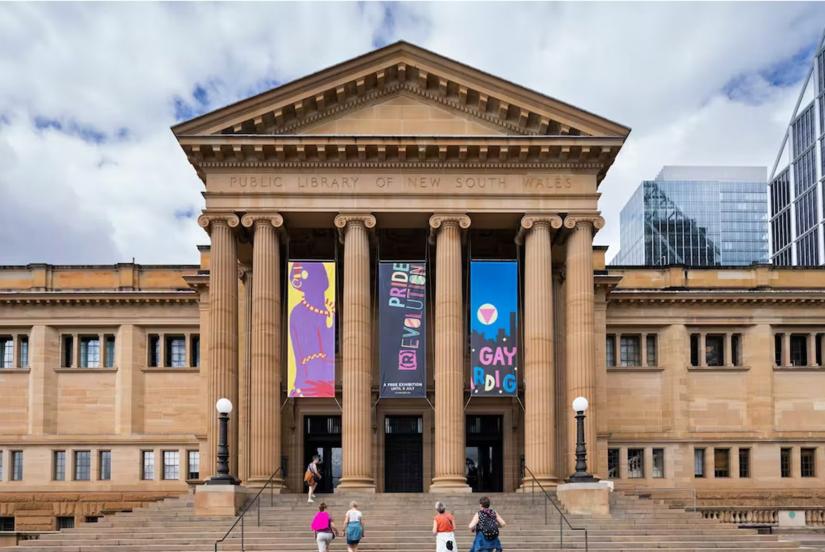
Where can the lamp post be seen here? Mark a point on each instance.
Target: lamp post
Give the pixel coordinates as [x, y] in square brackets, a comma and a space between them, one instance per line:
[581, 476]
[222, 475]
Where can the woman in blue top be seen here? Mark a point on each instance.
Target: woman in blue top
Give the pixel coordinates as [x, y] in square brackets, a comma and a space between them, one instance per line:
[353, 527]
[486, 523]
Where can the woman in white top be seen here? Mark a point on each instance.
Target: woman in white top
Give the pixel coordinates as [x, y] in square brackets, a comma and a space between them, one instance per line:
[353, 527]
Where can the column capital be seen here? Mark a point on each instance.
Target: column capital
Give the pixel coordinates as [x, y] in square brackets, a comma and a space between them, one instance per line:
[574, 219]
[530, 220]
[344, 219]
[263, 217]
[208, 218]
[439, 219]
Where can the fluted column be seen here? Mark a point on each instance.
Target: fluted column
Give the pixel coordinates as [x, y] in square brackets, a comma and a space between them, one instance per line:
[222, 377]
[450, 341]
[356, 339]
[539, 371]
[265, 384]
[580, 345]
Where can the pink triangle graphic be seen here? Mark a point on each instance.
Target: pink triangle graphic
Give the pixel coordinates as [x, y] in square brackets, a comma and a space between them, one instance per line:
[487, 314]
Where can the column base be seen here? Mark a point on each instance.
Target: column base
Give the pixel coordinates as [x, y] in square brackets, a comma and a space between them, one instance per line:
[585, 498]
[450, 484]
[256, 483]
[356, 485]
[529, 485]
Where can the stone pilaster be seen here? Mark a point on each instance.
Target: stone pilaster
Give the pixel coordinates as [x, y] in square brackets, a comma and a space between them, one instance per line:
[223, 328]
[356, 349]
[450, 341]
[265, 377]
[539, 371]
[580, 343]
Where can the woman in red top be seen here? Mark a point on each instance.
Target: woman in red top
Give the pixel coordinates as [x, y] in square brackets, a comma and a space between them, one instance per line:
[444, 529]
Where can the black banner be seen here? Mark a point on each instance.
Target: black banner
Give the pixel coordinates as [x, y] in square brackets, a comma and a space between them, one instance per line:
[402, 320]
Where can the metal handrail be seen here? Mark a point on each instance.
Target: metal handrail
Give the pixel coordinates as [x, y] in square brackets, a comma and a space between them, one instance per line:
[255, 500]
[562, 518]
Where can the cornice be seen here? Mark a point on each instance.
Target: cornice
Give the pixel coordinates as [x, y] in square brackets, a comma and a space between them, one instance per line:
[741, 296]
[97, 297]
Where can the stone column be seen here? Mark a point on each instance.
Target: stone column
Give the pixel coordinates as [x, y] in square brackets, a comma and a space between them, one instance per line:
[450, 341]
[356, 339]
[265, 377]
[728, 349]
[703, 349]
[539, 371]
[580, 343]
[812, 349]
[786, 348]
[222, 378]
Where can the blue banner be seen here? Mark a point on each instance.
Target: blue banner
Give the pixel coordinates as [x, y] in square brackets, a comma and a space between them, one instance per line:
[494, 328]
[402, 322]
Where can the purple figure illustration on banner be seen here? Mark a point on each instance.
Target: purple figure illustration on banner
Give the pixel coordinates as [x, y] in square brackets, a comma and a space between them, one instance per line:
[311, 347]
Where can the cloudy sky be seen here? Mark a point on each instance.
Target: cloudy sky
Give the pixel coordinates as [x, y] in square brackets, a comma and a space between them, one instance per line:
[90, 173]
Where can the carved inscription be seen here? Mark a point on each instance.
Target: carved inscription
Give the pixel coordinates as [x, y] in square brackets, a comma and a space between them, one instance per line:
[401, 183]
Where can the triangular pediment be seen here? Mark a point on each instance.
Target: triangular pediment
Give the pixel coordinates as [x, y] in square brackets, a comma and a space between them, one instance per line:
[403, 114]
[456, 99]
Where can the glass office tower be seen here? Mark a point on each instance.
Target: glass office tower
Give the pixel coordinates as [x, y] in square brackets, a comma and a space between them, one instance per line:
[796, 194]
[697, 216]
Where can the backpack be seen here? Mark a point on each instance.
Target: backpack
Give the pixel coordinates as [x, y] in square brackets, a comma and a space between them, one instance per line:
[487, 524]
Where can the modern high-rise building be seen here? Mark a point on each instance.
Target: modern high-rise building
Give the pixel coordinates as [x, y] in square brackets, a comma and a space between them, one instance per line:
[697, 216]
[797, 233]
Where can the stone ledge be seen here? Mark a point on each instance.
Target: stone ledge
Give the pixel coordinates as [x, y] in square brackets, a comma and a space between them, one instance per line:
[165, 370]
[718, 368]
[620, 369]
[85, 370]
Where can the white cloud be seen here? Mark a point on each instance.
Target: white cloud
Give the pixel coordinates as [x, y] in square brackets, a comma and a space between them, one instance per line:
[659, 68]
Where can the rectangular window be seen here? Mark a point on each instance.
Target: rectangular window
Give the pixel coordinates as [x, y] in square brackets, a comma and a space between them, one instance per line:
[154, 350]
[109, 352]
[818, 352]
[799, 350]
[651, 351]
[195, 351]
[613, 463]
[721, 462]
[6, 523]
[171, 464]
[175, 351]
[694, 349]
[65, 522]
[68, 351]
[785, 462]
[744, 462]
[90, 352]
[1, 465]
[658, 463]
[82, 465]
[104, 465]
[147, 468]
[715, 350]
[736, 349]
[17, 465]
[777, 349]
[193, 465]
[630, 350]
[23, 354]
[699, 462]
[635, 463]
[6, 351]
[59, 465]
[807, 462]
[610, 350]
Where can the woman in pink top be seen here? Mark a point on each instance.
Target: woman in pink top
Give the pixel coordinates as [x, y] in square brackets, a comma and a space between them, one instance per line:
[324, 529]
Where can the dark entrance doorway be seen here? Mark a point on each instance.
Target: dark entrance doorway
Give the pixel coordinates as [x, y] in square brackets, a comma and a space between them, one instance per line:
[322, 436]
[403, 454]
[485, 464]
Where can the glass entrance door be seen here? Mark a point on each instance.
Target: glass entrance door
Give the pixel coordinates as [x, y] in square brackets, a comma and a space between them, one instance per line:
[484, 451]
[322, 436]
[403, 454]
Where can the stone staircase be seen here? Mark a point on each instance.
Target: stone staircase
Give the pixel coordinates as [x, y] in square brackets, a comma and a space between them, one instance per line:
[403, 523]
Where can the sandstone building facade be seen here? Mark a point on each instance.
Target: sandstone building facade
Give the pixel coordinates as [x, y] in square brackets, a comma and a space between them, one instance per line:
[708, 379]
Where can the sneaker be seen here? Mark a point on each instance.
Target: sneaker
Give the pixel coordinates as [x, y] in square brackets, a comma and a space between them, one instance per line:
[310, 501]
[313, 496]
